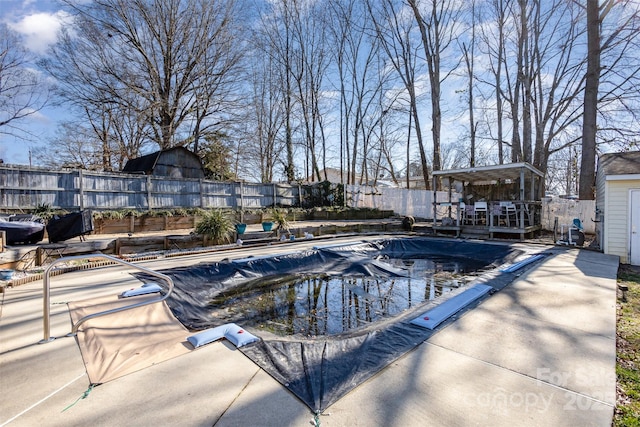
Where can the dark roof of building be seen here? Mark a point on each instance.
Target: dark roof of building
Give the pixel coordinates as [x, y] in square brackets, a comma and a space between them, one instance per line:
[619, 163]
[146, 164]
[142, 164]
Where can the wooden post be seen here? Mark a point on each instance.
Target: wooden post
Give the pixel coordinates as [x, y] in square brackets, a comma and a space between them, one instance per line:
[200, 181]
[533, 187]
[300, 195]
[435, 196]
[149, 192]
[275, 195]
[39, 256]
[80, 189]
[522, 199]
[450, 206]
[241, 202]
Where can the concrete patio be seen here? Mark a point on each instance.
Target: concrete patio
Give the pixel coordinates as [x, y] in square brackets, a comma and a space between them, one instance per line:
[540, 352]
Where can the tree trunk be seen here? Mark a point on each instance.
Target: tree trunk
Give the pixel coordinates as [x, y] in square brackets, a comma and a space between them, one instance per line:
[589, 125]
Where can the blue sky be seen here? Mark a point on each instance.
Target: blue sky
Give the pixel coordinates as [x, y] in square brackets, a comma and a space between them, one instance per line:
[37, 21]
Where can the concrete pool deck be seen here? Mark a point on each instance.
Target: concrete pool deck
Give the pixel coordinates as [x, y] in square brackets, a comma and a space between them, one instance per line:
[539, 352]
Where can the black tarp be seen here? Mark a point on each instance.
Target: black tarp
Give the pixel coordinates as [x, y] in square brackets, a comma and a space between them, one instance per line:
[321, 370]
[61, 228]
[22, 229]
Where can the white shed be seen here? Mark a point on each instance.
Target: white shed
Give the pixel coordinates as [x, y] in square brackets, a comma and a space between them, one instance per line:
[618, 205]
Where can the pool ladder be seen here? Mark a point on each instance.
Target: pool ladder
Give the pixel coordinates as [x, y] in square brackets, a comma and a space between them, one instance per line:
[46, 285]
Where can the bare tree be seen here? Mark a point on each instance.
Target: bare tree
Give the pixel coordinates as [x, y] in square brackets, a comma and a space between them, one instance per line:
[74, 145]
[502, 43]
[22, 91]
[468, 54]
[494, 43]
[265, 120]
[277, 32]
[612, 80]
[361, 81]
[340, 28]
[588, 162]
[311, 58]
[394, 31]
[170, 63]
[557, 71]
[544, 97]
[439, 26]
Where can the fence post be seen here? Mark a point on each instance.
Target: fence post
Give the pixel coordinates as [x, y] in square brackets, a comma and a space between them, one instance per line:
[81, 189]
[149, 192]
[201, 193]
[241, 202]
[275, 195]
[344, 195]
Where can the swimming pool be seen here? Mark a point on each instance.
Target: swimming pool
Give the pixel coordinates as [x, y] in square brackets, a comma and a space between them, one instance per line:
[313, 305]
[331, 317]
[328, 290]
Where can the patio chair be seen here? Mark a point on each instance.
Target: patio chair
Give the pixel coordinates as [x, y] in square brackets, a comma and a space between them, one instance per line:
[496, 215]
[467, 213]
[480, 211]
[509, 212]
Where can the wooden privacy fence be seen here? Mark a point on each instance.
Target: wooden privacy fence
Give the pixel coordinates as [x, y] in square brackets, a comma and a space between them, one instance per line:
[27, 188]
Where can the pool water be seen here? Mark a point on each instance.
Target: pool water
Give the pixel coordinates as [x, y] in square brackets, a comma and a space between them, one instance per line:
[319, 304]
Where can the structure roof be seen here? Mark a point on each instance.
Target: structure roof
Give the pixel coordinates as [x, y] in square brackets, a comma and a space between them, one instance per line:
[143, 163]
[619, 163]
[488, 173]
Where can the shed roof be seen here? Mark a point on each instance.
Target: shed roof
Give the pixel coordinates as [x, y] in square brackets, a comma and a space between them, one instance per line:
[488, 173]
[142, 164]
[619, 163]
[148, 164]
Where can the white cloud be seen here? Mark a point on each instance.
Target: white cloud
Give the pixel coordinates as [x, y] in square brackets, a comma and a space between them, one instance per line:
[40, 29]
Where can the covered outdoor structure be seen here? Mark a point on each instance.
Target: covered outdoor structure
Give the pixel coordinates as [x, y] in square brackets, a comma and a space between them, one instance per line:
[488, 200]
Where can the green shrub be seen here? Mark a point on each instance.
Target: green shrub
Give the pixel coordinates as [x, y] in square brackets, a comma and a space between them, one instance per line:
[159, 212]
[217, 226]
[279, 216]
[44, 211]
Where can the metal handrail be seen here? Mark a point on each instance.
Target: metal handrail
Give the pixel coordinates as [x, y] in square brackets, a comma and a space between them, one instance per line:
[46, 310]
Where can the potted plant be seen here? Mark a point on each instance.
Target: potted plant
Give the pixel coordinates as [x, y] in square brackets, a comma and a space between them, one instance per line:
[241, 227]
[216, 226]
[267, 225]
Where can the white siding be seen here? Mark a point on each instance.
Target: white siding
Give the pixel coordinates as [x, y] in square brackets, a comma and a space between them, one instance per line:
[600, 191]
[616, 227]
[601, 207]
